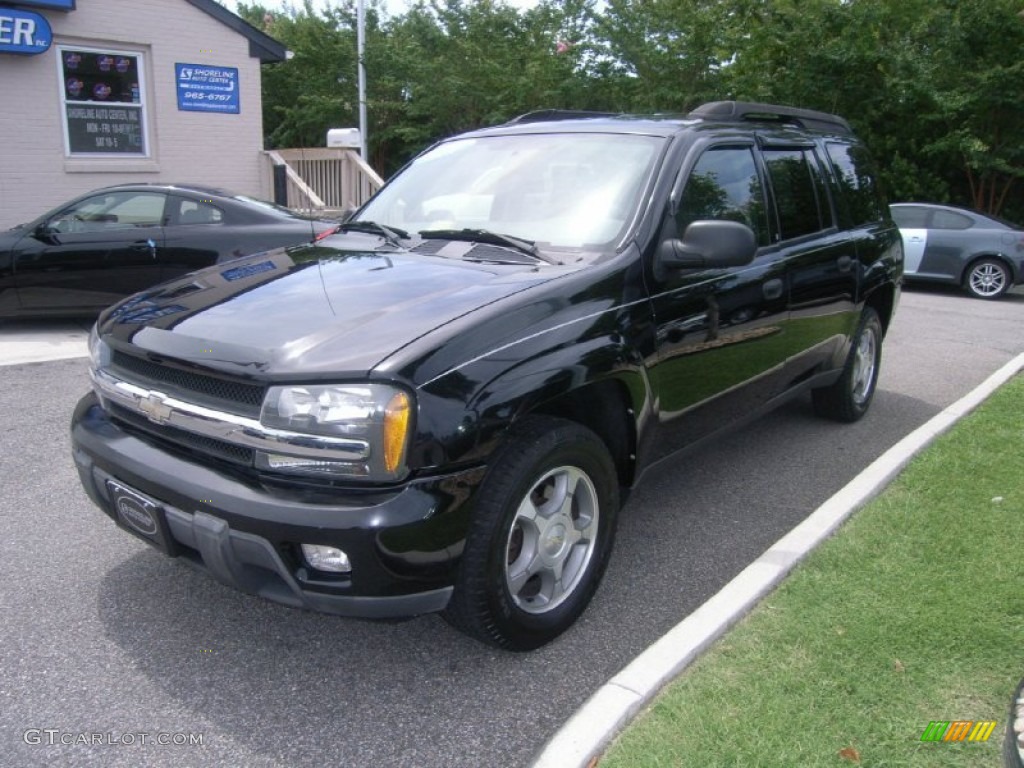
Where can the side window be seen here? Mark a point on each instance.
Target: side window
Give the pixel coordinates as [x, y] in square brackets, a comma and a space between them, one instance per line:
[950, 220]
[114, 210]
[855, 178]
[793, 175]
[910, 216]
[724, 184]
[197, 212]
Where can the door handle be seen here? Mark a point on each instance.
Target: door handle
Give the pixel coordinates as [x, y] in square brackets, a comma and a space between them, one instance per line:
[145, 245]
[844, 263]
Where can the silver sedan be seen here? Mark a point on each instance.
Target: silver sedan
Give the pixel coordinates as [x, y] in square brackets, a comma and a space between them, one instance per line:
[945, 244]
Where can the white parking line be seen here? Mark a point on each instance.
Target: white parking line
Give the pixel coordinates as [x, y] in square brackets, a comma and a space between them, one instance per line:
[586, 734]
[38, 345]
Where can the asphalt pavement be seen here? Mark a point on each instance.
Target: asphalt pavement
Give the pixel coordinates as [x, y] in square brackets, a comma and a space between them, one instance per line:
[108, 648]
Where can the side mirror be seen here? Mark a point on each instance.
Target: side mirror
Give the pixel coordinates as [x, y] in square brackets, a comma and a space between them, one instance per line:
[710, 244]
[45, 232]
[348, 213]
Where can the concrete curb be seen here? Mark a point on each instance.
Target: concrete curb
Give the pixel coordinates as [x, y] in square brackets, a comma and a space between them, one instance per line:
[585, 735]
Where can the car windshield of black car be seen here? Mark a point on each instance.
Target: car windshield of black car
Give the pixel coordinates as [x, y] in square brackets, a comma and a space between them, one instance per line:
[558, 190]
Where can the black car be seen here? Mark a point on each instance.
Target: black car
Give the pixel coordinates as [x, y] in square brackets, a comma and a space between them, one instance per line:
[85, 255]
[442, 407]
[946, 244]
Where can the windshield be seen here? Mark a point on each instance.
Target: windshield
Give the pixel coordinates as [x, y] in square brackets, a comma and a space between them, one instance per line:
[564, 190]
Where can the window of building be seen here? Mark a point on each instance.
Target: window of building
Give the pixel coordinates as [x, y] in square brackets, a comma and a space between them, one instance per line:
[103, 101]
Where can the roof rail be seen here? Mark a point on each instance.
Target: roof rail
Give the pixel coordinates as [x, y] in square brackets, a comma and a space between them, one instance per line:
[773, 113]
[543, 115]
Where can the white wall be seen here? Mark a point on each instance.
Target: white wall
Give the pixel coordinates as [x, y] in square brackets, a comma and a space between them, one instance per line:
[199, 147]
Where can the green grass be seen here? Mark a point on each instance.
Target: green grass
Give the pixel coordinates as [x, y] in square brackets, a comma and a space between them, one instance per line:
[912, 612]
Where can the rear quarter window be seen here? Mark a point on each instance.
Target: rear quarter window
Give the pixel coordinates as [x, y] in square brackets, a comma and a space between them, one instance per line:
[859, 198]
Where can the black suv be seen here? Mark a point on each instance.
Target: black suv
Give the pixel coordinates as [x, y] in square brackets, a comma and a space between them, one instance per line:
[441, 406]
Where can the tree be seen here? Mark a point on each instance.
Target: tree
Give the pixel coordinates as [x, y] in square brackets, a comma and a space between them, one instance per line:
[935, 87]
[978, 80]
[315, 89]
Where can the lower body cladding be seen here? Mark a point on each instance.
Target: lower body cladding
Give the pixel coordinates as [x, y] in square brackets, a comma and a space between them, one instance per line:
[401, 546]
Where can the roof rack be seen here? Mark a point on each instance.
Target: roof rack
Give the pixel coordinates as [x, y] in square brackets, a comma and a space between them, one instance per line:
[544, 115]
[771, 113]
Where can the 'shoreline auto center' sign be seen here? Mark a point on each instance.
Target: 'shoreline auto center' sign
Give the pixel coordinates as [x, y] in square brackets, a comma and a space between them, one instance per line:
[24, 32]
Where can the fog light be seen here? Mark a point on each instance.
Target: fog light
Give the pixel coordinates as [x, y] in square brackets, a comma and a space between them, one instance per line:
[328, 559]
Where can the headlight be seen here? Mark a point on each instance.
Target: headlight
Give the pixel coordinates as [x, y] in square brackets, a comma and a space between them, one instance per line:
[376, 417]
[99, 352]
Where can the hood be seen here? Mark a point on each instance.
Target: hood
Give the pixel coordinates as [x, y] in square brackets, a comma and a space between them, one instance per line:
[312, 309]
[10, 237]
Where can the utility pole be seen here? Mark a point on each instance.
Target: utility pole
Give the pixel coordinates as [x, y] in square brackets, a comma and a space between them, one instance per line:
[360, 51]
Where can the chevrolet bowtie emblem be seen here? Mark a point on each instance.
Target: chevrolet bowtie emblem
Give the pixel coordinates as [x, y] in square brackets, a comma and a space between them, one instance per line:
[155, 408]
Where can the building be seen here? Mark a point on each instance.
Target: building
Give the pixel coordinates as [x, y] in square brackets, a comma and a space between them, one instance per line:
[101, 92]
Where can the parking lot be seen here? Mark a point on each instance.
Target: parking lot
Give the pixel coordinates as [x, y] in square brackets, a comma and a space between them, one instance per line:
[109, 649]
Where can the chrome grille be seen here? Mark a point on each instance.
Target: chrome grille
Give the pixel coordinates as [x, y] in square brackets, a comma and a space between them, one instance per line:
[236, 396]
[208, 446]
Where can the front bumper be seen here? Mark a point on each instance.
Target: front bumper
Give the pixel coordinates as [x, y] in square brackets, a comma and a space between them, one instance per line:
[404, 543]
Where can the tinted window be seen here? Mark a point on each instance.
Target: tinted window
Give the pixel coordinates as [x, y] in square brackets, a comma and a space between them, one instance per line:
[724, 184]
[950, 220]
[792, 174]
[910, 216]
[855, 178]
[198, 212]
[112, 210]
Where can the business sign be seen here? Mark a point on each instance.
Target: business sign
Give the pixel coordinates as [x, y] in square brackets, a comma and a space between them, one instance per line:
[56, 5]
[202, 88]
[24, 32]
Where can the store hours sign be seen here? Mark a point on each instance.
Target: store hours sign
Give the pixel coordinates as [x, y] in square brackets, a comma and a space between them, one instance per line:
[204, 88]
[97, 128]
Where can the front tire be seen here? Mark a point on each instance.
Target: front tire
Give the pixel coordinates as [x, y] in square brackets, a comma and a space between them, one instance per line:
[849, 398]
[541, 534]
[987, 279]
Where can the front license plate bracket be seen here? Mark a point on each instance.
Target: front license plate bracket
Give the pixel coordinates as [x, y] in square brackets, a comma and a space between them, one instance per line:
[142, 516]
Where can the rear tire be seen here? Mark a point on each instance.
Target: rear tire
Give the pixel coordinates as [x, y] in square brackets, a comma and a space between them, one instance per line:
[849, 398]
[987, 279]
[540, 536]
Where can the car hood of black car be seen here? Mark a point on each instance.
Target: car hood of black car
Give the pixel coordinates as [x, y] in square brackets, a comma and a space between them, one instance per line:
[10, 237]
[312, 309]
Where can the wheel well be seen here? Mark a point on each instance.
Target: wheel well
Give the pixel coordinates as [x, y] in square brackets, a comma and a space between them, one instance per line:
[988, 256]
[605, 409]
[882, 301]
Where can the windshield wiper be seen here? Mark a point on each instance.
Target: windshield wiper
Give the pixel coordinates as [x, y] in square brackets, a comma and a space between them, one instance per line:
[492, 238]
[391, 235]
